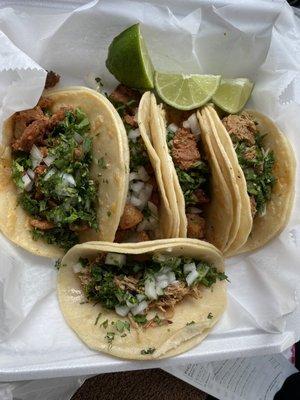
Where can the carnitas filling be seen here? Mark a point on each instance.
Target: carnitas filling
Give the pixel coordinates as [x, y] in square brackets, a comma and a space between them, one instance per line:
[139, 221]
[185, 147]
[52, 154]
[256, 161]
[136, 285]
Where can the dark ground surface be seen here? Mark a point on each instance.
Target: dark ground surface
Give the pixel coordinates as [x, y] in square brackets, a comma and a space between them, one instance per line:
[152, 384]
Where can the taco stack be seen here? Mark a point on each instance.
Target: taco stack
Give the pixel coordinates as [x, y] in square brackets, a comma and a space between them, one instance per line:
[196, 180]
[263, 166]
[64, 172]
[145, 300]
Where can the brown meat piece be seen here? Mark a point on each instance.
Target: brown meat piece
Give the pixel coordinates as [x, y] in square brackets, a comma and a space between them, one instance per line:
[195, 226]
[43, 225]
[143, 236]
[45, 102]
[130, 120]
[78, 227]
[52, 79]
[24, 118]
[124, 94]
[44, 151]
[120, 236]
[201, 196]
[250, 153]
[40, 169]
[153, 323]
[126, 283]
[131, 217]
[35, 132]
[185, 152]
[242, 127]
[174, 116]
[155, 198]
[173, 294]
[253, 206]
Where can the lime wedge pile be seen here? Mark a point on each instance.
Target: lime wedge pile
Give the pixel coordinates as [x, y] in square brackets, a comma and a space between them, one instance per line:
[129, 62]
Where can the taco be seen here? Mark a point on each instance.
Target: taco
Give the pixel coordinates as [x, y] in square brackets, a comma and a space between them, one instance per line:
[63, 172]
[264, 169]
[145, 300]
[147, 213]
[205, 204]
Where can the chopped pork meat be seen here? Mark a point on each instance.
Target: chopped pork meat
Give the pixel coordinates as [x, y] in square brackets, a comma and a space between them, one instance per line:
[185, 152]
[154, 322]
[242, 127]
[124, 94]
[131, 217]
[43, 225]
[253, 206]
[175, 116]
[126, 283]
[52, 79]
[45, 103]
[35, 131]
[24, 118]
[130, 120]
[195, 226]
[143, 236]
[250, 153]
[201, 196]
[173, 294]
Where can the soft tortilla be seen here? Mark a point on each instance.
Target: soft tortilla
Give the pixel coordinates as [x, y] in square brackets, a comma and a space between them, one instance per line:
[167, 340]
[109, 141]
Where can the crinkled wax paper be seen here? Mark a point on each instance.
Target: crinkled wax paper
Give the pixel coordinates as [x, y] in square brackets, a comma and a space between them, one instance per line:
[255, 39]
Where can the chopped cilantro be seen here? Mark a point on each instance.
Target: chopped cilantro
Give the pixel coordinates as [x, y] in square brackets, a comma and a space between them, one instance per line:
[110, 336]
[97, 319]
[122, 325]
[109, 213]
[104, 324]
[150, 350]
[210, 316]
[102, 164]
[190, 323]
[157, 320]
[140, 319]
[57, 264]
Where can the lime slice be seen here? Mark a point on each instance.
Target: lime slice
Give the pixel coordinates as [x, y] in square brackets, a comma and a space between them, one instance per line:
[186, 91]
[233, 94]
[128, 59]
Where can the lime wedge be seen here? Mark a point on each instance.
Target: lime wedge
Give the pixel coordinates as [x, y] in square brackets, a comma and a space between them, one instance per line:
[128, 59]
[233, 94]
[185, 91]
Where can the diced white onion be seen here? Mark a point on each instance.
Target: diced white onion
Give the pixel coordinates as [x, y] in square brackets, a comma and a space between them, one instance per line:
[135, 201]
[173, 128]
[49, 160]
[133, 176]
[194, 210]
[162, 284]
[160, 258]
[122, 310]
[129, 304]
[68, 179]
[161, 277]
[194, 125]
[153, 209]
[186, 124]
[30, 173]
[78, 137]
[140, 297]
[36, 156]
[150, 291]
[77, 268]
[159, 291]
[136, 187]
[49, 174]
[145, 194]
[143, 174]
[134, 134]
[191, 277]
[189, 267]
[139, 308]
[27, 182]
[171, 277]
[115, 259]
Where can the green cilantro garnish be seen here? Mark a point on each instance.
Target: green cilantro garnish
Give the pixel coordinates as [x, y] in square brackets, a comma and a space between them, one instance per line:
[150, 350]
[104, 324]
[140, 319]
[210, 316]
[122, 325]
[110, 336]
[97, 319]
[190, 323]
